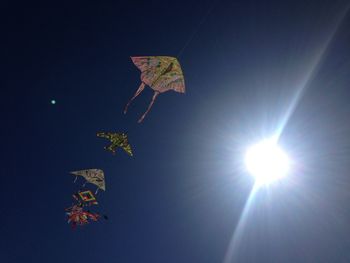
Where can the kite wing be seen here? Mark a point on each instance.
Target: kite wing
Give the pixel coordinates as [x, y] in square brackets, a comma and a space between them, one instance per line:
[105, 135]
[127, 148]
[123, 142]
[161, 73]
[93, 176]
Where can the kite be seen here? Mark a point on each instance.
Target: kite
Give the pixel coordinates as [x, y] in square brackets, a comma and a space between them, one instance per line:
[77, 216]
[93, 176]
[161, 74]
[85, 198]
[117, 140]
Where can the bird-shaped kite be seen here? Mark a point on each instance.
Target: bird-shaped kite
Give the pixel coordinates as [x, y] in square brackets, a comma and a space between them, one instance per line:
[161, 74]
[117, 140]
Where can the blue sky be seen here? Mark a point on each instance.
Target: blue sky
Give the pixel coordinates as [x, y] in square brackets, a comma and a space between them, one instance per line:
[251, 69]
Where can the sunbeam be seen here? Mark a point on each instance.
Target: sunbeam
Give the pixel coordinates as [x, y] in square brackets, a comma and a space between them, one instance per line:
[239, 231]
[315, 65]
[305, 82]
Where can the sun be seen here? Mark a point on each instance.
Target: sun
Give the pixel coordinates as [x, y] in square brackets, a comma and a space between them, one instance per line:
[267, 162]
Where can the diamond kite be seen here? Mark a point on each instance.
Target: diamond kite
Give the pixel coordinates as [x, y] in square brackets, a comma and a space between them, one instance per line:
[85, 198]
[161, 74]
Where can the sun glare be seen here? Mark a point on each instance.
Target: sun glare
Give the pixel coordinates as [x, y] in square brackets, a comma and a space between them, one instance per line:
[266, 162]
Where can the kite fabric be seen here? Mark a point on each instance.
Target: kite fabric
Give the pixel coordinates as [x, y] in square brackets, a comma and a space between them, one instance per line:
[77, 216]
[93, 176]
[161, 74]
[117, 140]
[85, 198]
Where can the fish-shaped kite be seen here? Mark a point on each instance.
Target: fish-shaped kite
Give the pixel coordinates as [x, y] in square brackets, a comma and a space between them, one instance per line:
[160, 73]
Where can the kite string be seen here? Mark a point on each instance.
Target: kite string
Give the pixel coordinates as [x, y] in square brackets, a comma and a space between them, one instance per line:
[190, 38]
[197, 28]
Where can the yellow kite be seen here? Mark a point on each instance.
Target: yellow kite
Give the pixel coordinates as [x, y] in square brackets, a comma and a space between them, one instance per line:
[117, 140]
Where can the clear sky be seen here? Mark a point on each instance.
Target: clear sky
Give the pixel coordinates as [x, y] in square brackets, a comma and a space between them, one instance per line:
[252, 69]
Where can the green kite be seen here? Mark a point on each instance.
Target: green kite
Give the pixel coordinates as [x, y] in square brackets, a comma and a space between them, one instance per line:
[117, 140]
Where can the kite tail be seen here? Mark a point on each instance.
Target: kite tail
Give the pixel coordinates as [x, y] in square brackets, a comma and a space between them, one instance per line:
[139, 90]
[156, 93]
